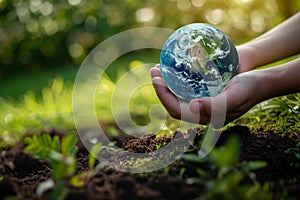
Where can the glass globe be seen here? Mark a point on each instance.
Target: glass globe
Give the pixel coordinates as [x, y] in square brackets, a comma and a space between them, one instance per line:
[198, 60]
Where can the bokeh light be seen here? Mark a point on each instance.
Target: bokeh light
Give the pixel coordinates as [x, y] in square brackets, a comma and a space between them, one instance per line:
[34, 24]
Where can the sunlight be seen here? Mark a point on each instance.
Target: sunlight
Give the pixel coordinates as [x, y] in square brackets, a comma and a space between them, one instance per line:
[257, 22]
[144, 14]
[198, 3]
[76, 50]
[243, 1]
[215, 16]
[183, 5]
[46, 8]
[74, 2]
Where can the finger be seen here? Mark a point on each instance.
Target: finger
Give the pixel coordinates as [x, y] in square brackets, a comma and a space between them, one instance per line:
[212, 109]
[197, 105]
[177, 108]
[168, 99]
[187, 115]
[155, 72]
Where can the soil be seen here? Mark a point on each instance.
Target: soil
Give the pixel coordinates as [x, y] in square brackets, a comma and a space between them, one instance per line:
[22, 173]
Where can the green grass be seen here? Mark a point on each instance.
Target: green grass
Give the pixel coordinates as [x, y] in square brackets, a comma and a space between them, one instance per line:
[41, 102]
[38, 102]
[17, 85]
[52, 111]
[280, 115]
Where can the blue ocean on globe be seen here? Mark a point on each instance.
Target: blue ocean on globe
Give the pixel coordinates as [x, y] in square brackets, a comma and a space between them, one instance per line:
[198, 60]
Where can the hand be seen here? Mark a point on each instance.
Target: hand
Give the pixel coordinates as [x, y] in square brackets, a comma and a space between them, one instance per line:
[240, 94]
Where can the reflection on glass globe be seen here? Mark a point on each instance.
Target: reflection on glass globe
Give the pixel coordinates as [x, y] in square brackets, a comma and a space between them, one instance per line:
[198, 60]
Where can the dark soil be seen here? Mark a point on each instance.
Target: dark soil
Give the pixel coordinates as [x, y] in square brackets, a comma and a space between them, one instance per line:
[22, 173]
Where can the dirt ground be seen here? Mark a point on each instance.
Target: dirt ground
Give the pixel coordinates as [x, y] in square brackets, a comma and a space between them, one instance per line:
[22, 173]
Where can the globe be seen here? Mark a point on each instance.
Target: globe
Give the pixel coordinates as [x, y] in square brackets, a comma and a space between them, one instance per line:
[198, 60]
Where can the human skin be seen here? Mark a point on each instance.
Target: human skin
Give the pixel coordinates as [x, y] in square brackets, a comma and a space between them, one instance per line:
[249, 87]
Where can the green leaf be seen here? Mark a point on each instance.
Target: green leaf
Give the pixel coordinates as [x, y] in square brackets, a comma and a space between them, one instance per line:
[74, 150]
[79, 179]
[254, 165]
[56, 143]
[30, 148]
[68, 142]
[93, 154]
[35, 139]
[203, 173]
[288, 150]
[226, 156]
[192, 158]
[28, 140]
[46, 140]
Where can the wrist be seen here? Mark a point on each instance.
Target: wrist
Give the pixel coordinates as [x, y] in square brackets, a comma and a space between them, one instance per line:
[281, 80]
[246, 55]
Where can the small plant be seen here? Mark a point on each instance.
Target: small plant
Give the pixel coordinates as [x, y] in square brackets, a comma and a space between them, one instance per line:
[295, 150]
[160, 145]
[222, 175]
[61, 154]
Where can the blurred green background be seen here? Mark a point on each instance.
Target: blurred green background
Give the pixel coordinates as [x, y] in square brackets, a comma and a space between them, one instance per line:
[43, 43]
[42, 39]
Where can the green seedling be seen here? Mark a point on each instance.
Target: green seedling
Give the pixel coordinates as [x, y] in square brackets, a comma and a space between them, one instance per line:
[222, 175]
[294, 150]
[159, 146]
[61, 154]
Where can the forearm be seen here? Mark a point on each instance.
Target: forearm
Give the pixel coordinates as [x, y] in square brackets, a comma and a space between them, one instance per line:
[280, 80]
[278, 43]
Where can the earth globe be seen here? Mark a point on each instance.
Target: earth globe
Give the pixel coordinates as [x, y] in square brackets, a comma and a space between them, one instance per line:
[198, 60]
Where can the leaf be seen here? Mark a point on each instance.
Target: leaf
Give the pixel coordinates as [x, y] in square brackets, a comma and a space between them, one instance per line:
[287, 151]
[28, 140]
[68, 142]
[74, 150]
[226, 156]
[30, 148]
[46, 140]
[80, 179]
[93, 154]
[254, 165]
[192, 158]
[35, 139]
[56, 143]
[203, 173]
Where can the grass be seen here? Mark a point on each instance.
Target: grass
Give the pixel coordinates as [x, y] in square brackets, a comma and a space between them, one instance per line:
[15, 86]
[41, 101]
[280, 114]
[51, 111]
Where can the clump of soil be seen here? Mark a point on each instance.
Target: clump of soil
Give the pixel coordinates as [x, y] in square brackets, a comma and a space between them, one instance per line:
[22, 173]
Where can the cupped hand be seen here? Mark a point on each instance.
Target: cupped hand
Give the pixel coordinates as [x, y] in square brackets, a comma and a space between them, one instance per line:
[239, 95]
